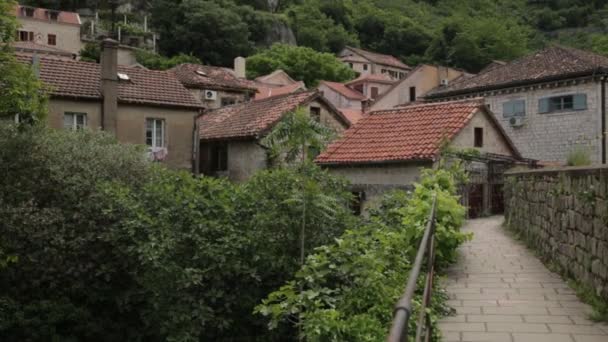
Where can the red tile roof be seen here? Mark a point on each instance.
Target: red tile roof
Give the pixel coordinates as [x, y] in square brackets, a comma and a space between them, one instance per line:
[253, 119]
[265, 91]
[379, 58]
[70, 78]
[64, 17]
[31, 47]
[408, 133]
[553, 63]
[352, 115]
[211, 77]
[344, 90]
[378, 78]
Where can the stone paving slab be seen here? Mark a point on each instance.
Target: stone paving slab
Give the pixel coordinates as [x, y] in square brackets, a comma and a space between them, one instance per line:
[503, 293]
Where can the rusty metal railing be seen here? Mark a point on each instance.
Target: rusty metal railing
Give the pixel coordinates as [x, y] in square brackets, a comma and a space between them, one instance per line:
[403, 309]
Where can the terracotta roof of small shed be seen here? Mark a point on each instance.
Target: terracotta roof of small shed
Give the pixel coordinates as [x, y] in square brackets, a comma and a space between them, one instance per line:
[253, 119]
[379, 78]
[211, 77]
[63, 17]
[344, 90]
[379, 58]
[553, 63]
[266, 91]
[408, 133]
[77, 79]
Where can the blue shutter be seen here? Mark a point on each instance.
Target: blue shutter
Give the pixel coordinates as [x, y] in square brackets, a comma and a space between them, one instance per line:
[543, 105]
[580, 101]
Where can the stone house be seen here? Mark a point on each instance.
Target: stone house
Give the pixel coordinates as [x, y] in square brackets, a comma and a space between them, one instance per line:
[230, 136]
[386, 149]
[550, 102]
[216, 87]
[276, 83]
[371, 86]
[414, 85]
[348, 101]
[137, 105]
[367, 62]
[57, 30]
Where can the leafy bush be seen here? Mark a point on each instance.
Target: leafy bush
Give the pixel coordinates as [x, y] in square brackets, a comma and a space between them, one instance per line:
[155, 61]
[346, 290]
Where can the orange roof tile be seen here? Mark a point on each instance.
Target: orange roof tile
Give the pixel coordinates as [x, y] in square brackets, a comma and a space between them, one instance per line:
[353, 115]
[380, 58]
[378, 78]
[265, 91]
[211, 77]
[408, 133]
[344, 90]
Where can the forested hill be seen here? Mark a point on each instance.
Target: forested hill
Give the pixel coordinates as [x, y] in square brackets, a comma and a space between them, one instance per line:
[462, 33]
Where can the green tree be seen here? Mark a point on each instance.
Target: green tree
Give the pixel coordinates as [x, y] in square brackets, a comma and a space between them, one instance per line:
[301, 63]
[155, 61]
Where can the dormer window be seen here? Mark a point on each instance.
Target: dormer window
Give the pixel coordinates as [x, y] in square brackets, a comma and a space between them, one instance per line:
[53, 15]
[123, 77]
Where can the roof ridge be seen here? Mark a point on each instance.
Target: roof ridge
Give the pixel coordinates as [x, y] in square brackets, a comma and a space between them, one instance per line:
[428, 104]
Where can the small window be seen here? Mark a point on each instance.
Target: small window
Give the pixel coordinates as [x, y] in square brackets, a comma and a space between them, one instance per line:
[514, 108]
[478, 137]
[315, 114]
[401, 75]
[74, 120]
[364, 66]
[562, 103]
[350, 65]
[227, 101]
[155, 133]
[52, 39]
[28, 11]
[412, 94]
[26, 36]
[383, 71]
[374, 92]
[356, 205]
[53, 15]
[219, 157]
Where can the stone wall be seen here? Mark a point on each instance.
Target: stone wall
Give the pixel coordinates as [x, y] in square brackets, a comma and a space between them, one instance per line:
[563, 215]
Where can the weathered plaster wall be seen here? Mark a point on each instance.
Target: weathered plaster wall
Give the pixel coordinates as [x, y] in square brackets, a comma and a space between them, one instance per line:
[68, 36]
[493, 141]
[563, 214]
[327, 117]
[217, 103]
[337, 99]
[58, 107]
[244, 159]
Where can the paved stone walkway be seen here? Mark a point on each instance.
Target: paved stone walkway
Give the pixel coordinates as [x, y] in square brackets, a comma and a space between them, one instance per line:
[502, 292]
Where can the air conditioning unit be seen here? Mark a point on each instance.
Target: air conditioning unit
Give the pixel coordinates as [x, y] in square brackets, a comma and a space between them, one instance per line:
[516, 122]
[210, 95]
[444, 81]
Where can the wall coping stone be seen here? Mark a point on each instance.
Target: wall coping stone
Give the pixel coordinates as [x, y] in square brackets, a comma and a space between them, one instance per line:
[558, 169]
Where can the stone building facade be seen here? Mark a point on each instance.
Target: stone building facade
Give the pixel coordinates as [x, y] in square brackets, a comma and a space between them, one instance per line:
[368, 62]
[551, 103]
[562, 213]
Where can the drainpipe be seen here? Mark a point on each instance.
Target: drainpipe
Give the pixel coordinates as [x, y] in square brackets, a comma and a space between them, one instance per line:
[603, 111]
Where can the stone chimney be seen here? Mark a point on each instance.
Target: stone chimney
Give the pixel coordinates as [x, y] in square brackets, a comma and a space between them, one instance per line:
[240, 67]
[109, 84]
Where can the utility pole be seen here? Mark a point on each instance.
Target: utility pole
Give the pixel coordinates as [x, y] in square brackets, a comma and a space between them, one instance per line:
[113, 5]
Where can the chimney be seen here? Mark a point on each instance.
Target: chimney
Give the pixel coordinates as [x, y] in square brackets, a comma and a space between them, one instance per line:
[240, 68]
[109, 84]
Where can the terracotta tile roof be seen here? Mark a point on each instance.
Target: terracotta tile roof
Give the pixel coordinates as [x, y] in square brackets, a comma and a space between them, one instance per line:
[211, 77]
[250, 119]
[64, 17]
[379, 58]
[379, 78]
[69, 78]
[265, 91]
[552, 63]
[31, 47]
[344, 90]
[408, 133]
[352, 115]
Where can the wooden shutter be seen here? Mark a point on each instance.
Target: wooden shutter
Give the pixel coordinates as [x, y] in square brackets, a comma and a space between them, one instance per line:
[580, 101]
[543, 105]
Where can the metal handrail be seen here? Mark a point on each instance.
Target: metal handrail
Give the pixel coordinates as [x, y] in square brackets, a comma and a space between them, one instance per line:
[403, 309]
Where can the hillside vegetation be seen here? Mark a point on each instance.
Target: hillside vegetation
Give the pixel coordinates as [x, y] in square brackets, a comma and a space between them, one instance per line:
[462, 33]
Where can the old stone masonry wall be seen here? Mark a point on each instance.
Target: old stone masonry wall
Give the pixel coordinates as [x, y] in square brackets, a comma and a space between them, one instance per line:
[563, 215]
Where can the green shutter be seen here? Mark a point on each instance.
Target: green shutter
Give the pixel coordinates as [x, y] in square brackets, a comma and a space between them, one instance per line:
[580, 101]
[543, 105]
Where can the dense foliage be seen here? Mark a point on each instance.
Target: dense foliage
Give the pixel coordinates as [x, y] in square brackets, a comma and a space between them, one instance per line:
[346, 290]
[107, 247]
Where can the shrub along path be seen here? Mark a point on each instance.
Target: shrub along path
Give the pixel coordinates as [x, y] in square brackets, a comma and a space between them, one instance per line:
[502, 292]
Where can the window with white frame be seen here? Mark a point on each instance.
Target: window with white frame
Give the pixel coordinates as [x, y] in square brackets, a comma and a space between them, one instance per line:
[155, 133]
[74, 120]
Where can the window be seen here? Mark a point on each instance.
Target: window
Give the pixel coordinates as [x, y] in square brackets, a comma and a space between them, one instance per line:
[478, 137]
[514, 108]
[155, 133]
[74, 120]
[350, 65]
[412, 94]
[374, 92]
[53, 15]
[28, 11]
[364, 66]
[52, 39]
[315, 114]
[356, 205]
[219, 157]
[562, 103]
[227, 101]
[383, 71]
[26, 36]
[401, 75]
